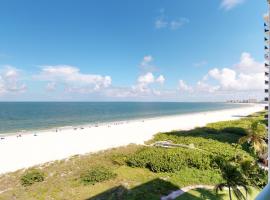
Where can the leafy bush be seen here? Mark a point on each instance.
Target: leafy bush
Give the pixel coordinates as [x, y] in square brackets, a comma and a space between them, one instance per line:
[235, 130]
[96, 175]
[217, 141]
[119, 159]
[32, 176]
[169, 160]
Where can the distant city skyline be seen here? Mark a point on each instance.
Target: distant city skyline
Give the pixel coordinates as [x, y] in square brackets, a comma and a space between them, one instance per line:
[127, 50]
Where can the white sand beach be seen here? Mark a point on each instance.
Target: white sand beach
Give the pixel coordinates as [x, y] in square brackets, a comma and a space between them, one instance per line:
[29, 150]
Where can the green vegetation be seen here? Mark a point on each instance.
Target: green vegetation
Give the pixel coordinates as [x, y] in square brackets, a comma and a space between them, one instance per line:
[203, 194]
[147, 172]
[31, 177]
[256, 136]
[233, 179]
[169, 160]
[96, 175]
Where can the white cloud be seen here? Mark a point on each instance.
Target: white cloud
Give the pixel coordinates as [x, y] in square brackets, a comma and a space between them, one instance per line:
[230, 80]
[160, 79]
[205, 87]
[10, 80]
[182, 86]
[229, 4]
[147, 64]
[248, 65]
[163, 21]
[245, 76]
[73, 79]
[176, 24]
[146, 60]
[145, 80]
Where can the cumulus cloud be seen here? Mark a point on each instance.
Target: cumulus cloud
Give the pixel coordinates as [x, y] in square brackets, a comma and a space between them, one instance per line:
[229, 80]
[201, 86]
[73, 79]
[146, 78]
[160, 79]
[248, 65]
[146, 86]
[182, 86]
[229, 4]
[144, 81]
[147, 64]
[10, 80]
[246, 75]
[146, 60]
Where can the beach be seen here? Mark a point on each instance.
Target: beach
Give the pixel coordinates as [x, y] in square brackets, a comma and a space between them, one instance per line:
[37, 147]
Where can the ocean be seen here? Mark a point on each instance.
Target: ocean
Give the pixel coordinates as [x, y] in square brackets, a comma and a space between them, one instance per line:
[28, 116]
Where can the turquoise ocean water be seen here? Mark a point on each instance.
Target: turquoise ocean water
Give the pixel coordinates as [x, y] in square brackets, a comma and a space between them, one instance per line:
[17, 116]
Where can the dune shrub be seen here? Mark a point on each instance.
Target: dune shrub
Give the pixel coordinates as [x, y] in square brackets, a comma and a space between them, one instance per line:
[31, 177]
[96, 175]
[169, 160]
[119, 159]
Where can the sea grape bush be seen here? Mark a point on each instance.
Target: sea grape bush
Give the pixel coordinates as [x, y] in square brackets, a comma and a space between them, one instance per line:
[169, 160]
[96, 175]
[31, 177]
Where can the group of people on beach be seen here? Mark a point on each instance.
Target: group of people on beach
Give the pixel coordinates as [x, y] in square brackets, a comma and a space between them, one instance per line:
[76, 128]
[18, 136]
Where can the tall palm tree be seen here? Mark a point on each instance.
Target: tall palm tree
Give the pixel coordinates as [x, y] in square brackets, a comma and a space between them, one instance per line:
[256, 135]
[233, 179]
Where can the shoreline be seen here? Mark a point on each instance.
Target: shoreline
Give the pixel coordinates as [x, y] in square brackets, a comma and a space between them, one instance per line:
[105, 123]
[26, 151]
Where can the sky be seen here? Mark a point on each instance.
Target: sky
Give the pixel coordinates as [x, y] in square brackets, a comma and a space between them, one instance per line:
[127, 50]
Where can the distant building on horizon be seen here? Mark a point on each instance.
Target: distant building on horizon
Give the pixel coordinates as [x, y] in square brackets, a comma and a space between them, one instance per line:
[243, 101]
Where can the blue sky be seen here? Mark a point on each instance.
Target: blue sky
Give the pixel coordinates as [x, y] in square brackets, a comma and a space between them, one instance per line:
[126, 50]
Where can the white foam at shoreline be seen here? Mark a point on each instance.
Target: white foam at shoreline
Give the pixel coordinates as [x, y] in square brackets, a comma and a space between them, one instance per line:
[29, 150]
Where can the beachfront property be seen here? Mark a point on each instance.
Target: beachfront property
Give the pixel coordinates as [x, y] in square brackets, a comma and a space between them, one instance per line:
[243, 101]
